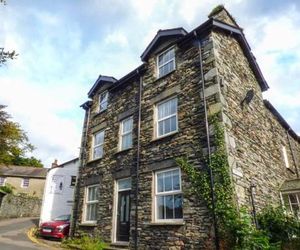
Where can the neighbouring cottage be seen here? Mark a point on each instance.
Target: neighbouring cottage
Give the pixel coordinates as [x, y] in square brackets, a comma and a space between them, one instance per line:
[58, 196]
[23, 179]
[130, 190]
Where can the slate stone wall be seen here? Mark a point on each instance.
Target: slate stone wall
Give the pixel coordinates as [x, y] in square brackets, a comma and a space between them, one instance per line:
[254, 136]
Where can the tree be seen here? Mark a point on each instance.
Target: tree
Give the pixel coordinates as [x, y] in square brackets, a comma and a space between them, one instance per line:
[6, 55]
[14, 143]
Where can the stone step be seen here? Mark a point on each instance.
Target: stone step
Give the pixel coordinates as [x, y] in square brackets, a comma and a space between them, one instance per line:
[117, 247]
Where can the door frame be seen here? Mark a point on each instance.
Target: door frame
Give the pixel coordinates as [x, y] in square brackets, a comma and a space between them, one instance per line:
[115, 210]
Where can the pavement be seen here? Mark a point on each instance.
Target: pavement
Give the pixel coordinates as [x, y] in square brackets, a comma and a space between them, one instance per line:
[15, 235]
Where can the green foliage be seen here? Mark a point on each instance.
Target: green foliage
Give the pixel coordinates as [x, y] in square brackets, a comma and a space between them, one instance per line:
[84, 243]
[14, 143]
[6, 55]
[280, 226]
[215, 10]
[9, 189]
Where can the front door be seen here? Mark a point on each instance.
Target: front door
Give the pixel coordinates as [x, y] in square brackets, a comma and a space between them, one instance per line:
[123, 210]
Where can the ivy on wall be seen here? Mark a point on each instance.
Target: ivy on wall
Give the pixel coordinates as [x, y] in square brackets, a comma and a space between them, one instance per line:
[235, 225]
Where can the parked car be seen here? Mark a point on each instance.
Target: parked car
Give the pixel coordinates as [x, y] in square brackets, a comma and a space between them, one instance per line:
[58, 228]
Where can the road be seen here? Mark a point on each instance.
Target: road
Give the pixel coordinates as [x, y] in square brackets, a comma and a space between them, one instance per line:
[13, 234]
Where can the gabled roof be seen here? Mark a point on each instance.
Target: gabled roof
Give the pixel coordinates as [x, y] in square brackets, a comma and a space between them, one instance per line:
[281, 120]
[22, 171]
[161, 34]
[101, 80]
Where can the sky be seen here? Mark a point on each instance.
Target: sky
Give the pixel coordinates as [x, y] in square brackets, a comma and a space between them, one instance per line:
[64, 45]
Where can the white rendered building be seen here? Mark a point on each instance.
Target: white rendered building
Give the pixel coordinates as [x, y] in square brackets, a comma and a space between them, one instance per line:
[59, 190]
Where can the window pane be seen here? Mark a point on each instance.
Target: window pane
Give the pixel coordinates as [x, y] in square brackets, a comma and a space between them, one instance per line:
[99, 138]
[160, 207]
[169, 203]
[126, 141]
[91, 212]
[103, 101]
[127, 125]
[293, 198]
[160, 128]
[167, 108]
[178, 206]
[98, 152]
[176, 181]
[160, 182]
[124, 184]
[168, 181]
[92, 193]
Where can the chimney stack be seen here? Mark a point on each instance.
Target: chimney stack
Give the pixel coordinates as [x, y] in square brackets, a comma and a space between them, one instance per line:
[54, 164]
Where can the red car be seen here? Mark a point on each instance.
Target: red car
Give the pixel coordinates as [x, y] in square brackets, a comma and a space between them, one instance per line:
[58, 228]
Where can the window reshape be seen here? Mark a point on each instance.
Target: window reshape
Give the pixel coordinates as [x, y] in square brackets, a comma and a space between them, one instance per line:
[166, 117]
[166, 62]
[91, 203]
[285, 157]
[126, 133]
[103, 101]
[25, 183]
[292, 203]
[2, 181]
[168, 195]
[98, 145]
[73, 181]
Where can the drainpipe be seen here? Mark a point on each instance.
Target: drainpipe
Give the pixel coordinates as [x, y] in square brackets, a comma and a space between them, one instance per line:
[138, 156]
[251, 189]
[85, 106]
[292, 151]
[212, 194]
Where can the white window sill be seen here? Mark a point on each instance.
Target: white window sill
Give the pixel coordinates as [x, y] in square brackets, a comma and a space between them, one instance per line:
[93, 160]
[164, 136]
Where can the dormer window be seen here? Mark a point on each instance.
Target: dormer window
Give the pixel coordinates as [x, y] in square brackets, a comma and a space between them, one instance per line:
[103, 101]
[166, 62]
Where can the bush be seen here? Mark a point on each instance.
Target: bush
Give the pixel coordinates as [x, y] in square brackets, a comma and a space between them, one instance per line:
[7, 188]
[84, 243]
[282, 228]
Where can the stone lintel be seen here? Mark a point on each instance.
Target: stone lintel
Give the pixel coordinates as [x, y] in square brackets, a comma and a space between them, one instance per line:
[99, 127]
[161, 165]
[126, 114]
[164, 95]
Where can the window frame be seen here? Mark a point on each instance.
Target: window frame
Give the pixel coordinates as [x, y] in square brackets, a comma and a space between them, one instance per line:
[86, 203]
[165, 118]
[98, 145]
[121, 134]
[23, 182]
[290, 208]
[2, 184]
[99, 101]
[160, 66]
[285, 157]
[159, 194]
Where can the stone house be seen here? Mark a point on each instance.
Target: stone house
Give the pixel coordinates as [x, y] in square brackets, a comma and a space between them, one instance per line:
[130, 190]
[28, 180]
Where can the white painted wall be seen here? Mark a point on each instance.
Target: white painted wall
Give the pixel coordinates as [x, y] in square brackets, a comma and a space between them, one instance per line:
[58, 193]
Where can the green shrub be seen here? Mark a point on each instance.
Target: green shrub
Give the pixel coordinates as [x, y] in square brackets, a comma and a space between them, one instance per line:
[280, 226]
[9, 189]
[84, 243]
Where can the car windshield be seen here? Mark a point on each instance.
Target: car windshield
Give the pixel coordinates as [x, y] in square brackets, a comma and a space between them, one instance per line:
[65, 217]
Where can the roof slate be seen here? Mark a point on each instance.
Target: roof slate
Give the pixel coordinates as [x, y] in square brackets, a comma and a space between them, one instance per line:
[23, 171]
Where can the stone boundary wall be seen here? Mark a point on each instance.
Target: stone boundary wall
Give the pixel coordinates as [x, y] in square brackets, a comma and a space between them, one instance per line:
[14, 206]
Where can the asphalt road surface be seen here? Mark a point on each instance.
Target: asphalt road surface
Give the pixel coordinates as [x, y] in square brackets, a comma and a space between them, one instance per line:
[13, 234]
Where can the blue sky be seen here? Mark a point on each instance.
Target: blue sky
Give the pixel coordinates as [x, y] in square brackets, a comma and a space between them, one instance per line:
[64, 45]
